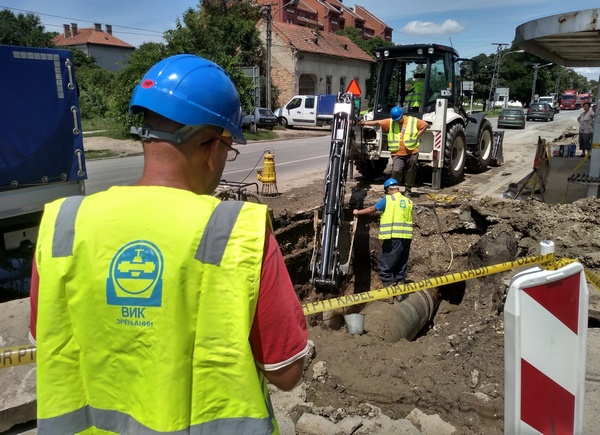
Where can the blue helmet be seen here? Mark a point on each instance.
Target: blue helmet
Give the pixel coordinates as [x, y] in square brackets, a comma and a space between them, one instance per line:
[193, 91]
[396, 113]
[389, 183]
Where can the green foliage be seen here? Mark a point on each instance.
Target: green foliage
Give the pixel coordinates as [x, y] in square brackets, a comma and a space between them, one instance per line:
[24, 30]
[221, 31]
[225, 32]
[95, 124]
[94, 84]
[128, 78]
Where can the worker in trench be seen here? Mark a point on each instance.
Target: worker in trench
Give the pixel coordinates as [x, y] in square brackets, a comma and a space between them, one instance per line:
[396, 230]
[403, 134]
[156, 307]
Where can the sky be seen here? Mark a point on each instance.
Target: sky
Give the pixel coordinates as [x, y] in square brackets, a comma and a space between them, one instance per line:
[472, 27]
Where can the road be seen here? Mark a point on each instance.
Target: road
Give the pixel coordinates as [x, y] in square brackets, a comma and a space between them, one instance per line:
[299, 162]
[519, 152]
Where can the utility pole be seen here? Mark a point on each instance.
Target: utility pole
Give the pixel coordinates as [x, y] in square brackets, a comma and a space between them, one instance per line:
[536, 67]
[267, 10]
[494, 83]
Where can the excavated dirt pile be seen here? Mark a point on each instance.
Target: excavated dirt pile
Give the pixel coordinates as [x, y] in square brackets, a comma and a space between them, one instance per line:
[455, 367]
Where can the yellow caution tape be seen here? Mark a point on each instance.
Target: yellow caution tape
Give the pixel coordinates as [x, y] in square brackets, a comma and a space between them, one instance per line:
[448, 198]
[589, 275]
[373, 295]
[16, 356]
[13, 356]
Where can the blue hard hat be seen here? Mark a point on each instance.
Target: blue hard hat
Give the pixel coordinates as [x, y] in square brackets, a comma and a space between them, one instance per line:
[193, 91]
[390, 182]
[396, 113]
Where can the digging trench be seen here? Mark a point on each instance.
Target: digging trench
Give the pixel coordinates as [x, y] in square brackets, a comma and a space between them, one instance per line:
[295, 234]
[456, 357]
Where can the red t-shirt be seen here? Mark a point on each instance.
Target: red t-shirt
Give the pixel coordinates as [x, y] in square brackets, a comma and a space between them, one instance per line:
[278, 336]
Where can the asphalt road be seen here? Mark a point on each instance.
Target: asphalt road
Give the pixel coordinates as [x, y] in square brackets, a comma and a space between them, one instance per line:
[299, 162]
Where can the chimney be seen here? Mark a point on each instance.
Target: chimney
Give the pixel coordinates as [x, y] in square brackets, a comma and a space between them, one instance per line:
[109, 29]
[67, 30]
[98, 27]
[73, 30]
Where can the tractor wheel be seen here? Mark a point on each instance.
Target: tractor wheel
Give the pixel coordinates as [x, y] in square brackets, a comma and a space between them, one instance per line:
[371, 169]
[454, 155]
[480, 157]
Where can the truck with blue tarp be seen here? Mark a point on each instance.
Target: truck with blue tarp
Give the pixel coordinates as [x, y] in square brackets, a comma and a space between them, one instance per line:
[307, 111]
[41, 152]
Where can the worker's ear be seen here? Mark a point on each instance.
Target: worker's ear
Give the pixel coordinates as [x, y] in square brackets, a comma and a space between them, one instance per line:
[209, 152]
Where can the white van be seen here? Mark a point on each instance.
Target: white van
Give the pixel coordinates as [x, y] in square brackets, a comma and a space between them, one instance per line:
[552, 101]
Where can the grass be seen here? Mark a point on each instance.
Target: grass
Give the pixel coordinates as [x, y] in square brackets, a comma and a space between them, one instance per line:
[103, 127]
[262, 134]
[99, 154]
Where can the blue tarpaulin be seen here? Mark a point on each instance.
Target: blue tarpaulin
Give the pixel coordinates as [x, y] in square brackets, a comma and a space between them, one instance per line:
[40, 129]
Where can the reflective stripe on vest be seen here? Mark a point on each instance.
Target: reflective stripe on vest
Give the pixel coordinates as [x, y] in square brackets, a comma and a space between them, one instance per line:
[408, 134]
[396, 221]
[210, 250]
[121, 423]
[68, 403]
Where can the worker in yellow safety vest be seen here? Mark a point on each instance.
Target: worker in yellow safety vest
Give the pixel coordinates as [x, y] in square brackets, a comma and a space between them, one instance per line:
[156, 308]
[396, 230]
[403, 133]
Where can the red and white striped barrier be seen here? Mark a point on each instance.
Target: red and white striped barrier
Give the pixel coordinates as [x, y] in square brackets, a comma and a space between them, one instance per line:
[545, 324]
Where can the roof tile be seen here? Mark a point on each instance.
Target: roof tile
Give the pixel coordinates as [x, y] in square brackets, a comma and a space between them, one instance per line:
[310, 41]
[90, 36]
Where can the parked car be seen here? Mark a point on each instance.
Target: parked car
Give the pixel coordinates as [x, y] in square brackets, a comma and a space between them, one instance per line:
[553, 101]
[542, 111]
[259, 117]
[511, 117]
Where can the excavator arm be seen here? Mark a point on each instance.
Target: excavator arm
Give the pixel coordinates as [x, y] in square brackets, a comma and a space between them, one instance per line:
[334, 237]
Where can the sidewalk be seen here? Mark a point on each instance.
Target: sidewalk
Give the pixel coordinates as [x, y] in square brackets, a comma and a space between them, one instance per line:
[558, 190]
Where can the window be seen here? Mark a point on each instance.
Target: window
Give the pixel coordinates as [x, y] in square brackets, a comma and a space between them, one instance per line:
[328, 84]
[342, 84]
[294, 104]
[307, 84]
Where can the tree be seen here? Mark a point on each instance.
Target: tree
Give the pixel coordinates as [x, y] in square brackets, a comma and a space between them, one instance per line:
[225, 32]
[129, 77]
[221, 31]
[23, 30]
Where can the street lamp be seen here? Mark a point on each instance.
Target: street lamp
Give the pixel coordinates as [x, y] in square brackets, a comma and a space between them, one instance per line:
[558, 77]
[496, 74]
[536, 67]
[266, 8]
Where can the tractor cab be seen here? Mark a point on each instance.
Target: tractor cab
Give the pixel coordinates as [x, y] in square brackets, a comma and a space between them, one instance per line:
[414, 77]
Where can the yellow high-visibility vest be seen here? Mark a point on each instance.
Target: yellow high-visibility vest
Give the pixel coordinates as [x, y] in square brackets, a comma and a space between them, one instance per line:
[147, 296]
[396, 221]
[408, 135]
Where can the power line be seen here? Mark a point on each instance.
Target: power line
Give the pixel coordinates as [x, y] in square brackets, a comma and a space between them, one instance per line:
[81, 19]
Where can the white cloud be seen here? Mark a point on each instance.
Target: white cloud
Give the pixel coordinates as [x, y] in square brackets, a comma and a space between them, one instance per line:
[423, 28]
[589, 73]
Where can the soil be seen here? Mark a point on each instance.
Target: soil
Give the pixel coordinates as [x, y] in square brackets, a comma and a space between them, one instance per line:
[454, 367]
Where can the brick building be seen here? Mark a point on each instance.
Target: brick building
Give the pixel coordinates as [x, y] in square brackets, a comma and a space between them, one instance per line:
[328, 16]
[307, 57]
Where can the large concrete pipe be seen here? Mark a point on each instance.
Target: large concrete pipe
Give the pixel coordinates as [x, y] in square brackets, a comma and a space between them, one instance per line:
[402, 319]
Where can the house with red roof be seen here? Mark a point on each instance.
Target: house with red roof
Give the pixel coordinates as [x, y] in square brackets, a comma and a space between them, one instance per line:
[109, 51]
[310, 62]
[307, 57]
